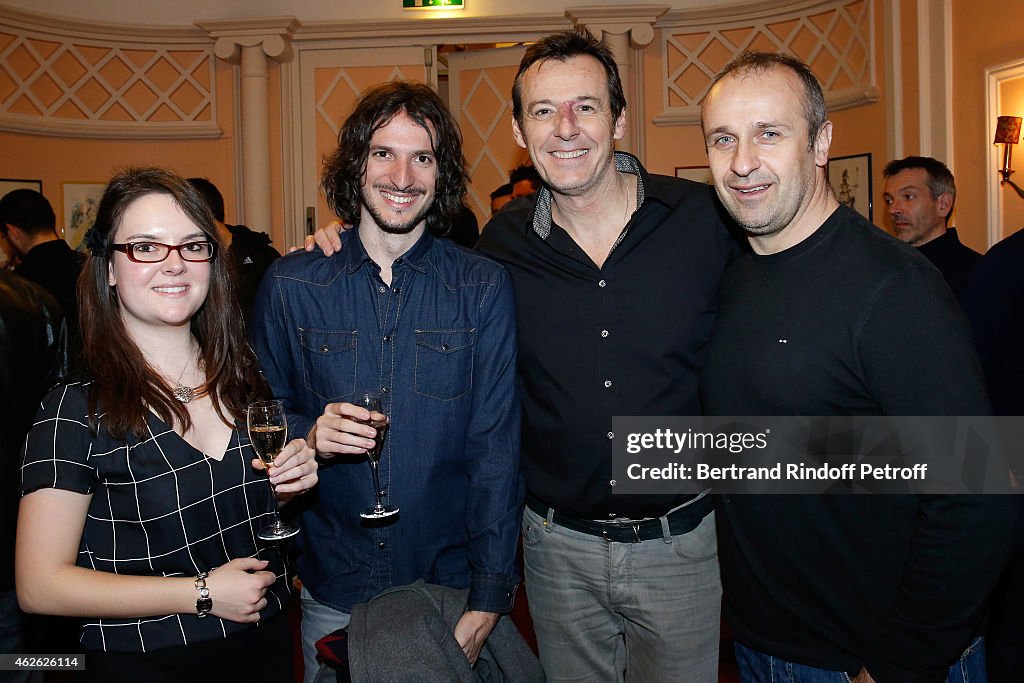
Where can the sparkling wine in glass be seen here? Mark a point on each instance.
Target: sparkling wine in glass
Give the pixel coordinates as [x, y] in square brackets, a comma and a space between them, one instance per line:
[371, 401]
[268, 432]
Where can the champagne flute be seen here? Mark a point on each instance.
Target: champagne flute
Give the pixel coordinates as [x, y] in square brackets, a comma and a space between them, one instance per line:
[268, 432]
[371, 401]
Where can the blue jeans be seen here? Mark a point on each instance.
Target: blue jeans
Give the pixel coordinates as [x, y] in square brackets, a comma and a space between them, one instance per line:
[650, 609]
[317, 621]
[758, 667]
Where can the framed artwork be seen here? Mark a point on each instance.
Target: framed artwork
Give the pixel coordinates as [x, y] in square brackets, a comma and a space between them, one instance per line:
[79, 202]
[9, 184]
[850, 178]
[698, 174]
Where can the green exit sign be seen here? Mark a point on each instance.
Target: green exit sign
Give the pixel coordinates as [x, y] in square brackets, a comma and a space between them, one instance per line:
[432, 4]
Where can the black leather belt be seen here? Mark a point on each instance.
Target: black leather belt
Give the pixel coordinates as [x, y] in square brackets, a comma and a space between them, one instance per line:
[682, 521]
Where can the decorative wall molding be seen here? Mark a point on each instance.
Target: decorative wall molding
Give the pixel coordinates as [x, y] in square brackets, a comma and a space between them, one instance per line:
[835, 37]
[626, 31]
[82, 79]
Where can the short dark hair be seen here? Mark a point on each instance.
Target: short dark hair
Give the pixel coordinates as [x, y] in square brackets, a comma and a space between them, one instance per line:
[125, 387]
[503, 191]
[211, 194]
[525, 172]
[940, 178]
[345, 168]
[28, 210]
[815, 112]
[561, 47]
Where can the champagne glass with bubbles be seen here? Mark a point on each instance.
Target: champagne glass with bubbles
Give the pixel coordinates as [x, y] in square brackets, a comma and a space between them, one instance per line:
[371, 401]
[268, 432]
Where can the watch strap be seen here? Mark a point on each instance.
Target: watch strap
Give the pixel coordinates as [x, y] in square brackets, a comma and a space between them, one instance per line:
[204, 603]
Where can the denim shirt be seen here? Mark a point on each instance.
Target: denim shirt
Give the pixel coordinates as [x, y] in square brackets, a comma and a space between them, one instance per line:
[439, 344]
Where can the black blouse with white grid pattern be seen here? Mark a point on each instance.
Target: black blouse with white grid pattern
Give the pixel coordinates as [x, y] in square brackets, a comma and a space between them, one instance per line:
[159, 508]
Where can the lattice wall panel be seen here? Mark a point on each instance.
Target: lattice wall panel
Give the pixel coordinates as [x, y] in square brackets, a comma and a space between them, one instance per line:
[836, 42]
[65, 86]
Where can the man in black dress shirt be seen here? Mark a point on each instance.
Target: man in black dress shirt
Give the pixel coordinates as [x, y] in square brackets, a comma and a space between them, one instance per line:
[616, 273]
[30, 226]
[920, 193]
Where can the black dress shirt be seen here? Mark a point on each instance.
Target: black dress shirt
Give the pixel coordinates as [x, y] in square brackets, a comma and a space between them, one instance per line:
[627, 338]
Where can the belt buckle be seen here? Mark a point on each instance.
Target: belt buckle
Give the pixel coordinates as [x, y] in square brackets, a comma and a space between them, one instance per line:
[635, 526]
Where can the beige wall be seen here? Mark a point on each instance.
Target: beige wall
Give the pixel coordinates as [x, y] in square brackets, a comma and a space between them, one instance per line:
[981, 40]
[55, 160]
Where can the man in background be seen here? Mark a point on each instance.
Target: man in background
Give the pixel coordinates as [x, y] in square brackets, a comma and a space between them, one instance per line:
[250, 251]
[30, 227]
[500, 197]
[994, 303]
[920, 193]
[33, 357]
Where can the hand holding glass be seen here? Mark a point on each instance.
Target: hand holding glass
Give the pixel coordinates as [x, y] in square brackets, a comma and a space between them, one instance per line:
[268, 432]
[370, 400]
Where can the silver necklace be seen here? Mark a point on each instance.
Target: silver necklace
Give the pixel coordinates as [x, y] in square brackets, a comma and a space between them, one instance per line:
[185, 394]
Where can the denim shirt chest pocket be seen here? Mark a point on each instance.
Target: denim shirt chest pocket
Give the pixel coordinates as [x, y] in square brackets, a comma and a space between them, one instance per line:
[444, 363]
[329, 362]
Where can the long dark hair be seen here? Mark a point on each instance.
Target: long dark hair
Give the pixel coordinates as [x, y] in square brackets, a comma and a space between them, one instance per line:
[344, 169]
[125, 387]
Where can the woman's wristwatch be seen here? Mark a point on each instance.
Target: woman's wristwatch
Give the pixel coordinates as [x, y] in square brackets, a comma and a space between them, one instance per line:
[204, 603]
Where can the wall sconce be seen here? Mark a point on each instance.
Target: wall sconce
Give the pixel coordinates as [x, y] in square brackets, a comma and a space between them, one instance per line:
[1007, 135]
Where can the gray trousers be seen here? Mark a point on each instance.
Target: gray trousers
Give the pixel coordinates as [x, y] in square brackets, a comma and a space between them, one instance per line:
[649, 609]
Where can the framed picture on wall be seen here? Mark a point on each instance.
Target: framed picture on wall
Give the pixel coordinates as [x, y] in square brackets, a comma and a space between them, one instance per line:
[79, 202]
[698, 174]
[850, 178]
[9, 184]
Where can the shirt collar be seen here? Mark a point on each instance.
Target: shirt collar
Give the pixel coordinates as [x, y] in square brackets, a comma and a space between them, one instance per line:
[624, 162]
[354, 253]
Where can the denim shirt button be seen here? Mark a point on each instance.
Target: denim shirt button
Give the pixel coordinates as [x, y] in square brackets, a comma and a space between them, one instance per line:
[387, 338]
[384, 390]
[382, 289]
[382, 545]
[398, 290]
[444, 347]
[324, 348]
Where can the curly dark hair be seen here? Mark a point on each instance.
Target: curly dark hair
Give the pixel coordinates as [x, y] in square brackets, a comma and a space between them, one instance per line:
[561, 47]
[125, 388]
[344, 169]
